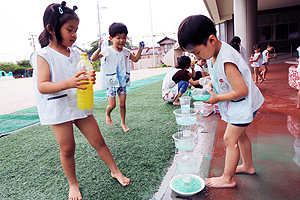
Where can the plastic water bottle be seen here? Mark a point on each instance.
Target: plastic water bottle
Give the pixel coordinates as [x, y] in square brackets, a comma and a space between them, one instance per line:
[142, 45]
[85, 98]
[104, 43]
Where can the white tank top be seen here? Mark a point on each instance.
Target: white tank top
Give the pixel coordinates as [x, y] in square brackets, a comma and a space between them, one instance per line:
[241, 110]
[59, 107]
[115, 68]
[264, 55]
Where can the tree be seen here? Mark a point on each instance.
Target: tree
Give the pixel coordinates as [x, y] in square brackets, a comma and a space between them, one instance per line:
[8, 67]
[24, 63]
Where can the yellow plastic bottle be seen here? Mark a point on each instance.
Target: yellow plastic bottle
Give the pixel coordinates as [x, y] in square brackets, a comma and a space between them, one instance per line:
[85, 98]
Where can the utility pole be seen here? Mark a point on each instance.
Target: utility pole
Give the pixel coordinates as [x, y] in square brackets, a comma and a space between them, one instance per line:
[152, 35]
[99, 8]
[32, 43]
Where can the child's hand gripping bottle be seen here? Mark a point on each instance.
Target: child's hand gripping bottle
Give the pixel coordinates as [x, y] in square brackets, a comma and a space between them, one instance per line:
[85, 98]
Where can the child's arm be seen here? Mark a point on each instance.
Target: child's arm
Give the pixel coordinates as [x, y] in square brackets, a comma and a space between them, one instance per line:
[45, 86]
[236, 80]
[97, 55]
[192, 82]
[256, 58]
[193, 74]
[270, 57]
[136, 57]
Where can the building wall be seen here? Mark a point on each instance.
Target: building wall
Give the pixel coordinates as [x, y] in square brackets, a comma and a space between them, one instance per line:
[280, 26]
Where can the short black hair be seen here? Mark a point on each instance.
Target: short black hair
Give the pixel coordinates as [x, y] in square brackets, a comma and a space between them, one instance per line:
[183, 62]
[195, 30]
[235, 39]
[117, 28]
[256, 46]
[236, 46]
[271, 44]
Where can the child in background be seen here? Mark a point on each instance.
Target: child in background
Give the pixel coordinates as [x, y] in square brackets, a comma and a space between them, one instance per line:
[200, 67]
[266, 57]
[240, 48]
[115, 70]
[257, 63]
[201, 74]
[234, 91]
[55, 82]
[183, 77]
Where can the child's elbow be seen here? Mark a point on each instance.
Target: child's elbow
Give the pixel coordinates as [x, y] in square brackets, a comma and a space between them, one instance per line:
[93, 58]
[135, 60]
[244, 92]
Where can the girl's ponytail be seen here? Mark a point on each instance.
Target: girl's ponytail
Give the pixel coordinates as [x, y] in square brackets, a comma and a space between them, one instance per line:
[55, 15]
[44, 38]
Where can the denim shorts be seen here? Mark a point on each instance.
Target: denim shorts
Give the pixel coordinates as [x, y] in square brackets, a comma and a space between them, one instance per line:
[112, 91]
[247, 124]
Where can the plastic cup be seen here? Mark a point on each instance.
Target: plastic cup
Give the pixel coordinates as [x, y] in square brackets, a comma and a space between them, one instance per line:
[185, 104]
[199, 105]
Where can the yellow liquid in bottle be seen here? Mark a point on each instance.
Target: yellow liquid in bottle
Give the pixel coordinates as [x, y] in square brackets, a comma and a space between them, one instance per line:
[85, 98]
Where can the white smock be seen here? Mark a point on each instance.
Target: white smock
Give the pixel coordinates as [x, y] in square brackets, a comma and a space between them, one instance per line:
[58, 107]
[244, 54]
[259, 62]
[238, 111]
[265, 57]
[169, 87]
[115, 68]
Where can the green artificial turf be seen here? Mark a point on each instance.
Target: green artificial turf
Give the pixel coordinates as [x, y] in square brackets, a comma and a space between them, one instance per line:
[30, 165]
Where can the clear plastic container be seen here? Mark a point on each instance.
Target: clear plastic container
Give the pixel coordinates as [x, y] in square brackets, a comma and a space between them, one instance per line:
[200, 94]
[185, 140]
[85, 98]
[186, 163]
[186, 119]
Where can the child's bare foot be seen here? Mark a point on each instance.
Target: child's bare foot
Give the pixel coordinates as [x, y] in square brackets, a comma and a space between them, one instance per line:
[246, 170]
[298, 106]
[109, 121]
[176, 103]
[121, 178]
[125, 128]
[220, 182]
[74, 192]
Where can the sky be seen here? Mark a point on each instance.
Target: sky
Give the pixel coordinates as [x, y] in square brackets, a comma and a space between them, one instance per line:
[22, 20]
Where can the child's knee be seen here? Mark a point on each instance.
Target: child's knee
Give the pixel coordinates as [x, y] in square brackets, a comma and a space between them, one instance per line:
[122, 105]
[182, 86]
[229, 142]
[112, 106]
[67, 150]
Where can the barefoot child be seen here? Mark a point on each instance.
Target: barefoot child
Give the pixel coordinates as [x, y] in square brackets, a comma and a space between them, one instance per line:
[55, 82]
[183, 77]
[257, 63]
[115, 69]
[266, 57]
[234, 91]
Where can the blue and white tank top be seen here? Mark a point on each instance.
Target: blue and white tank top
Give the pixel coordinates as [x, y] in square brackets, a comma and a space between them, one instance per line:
[241, 110]
[58, 107]
[115, 68]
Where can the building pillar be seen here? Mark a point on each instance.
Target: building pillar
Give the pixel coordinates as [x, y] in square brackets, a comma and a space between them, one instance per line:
[245, 23]
[252, 26]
